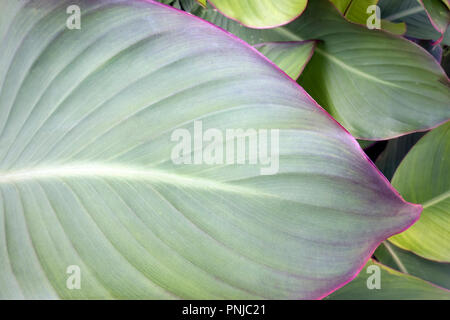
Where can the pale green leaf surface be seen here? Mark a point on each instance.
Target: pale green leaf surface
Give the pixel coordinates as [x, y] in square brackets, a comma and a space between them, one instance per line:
[202, 2]
[357, 11]
[86, 176]
[341, 5]
[394, 286]
[446, 3]
[291, 57]
[377, 85]
[424, 177]
[261, 13]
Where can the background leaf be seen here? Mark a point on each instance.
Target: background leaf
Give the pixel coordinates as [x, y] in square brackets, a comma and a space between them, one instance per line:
[395, 152]
[414, 15]
[261, 13]
[438, 13]
[423, 177]
[202, 2]
[356, 11]
[407, 262]
[369, 79]
[394, 286]
[291, 57]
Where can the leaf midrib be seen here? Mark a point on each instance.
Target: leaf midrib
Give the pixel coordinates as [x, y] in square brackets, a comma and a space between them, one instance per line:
[337, 61]
[436, 199]
[123, 172]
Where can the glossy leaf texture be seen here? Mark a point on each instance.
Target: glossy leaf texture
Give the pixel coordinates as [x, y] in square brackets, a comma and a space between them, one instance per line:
[407, 262]
[393, 285]
[261, 13]
[87, 177]
[369, 80]
[291, 57]
[424, 177]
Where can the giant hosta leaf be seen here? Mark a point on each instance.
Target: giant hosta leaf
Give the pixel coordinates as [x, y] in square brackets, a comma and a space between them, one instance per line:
[261, 13]
[394, 285]
[86, 176]
[375, 84]
[424, 177]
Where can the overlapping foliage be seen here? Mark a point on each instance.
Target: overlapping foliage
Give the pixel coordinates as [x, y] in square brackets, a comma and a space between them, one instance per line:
[86, 177]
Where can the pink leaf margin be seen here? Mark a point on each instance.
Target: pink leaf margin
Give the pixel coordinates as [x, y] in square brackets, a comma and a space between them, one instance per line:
[435, 26]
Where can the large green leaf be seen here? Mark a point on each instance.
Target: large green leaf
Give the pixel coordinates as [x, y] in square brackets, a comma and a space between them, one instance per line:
[407, 262]
[375, 84]
[87, 177]
[261, 13]
[424, 177]
[394, 285]
[291, 57]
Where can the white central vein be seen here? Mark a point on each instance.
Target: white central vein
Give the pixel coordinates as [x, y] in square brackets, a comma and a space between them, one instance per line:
[87, 171]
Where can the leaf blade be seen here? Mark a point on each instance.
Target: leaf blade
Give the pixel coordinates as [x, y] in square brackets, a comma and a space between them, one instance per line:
[394, 286]
[291, 57]
[429, 237]
[340, 64]
[261, 13]
[428, 270]
[86, 173]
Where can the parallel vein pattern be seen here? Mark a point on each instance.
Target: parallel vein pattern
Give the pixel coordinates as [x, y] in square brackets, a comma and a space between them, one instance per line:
[86, 177]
